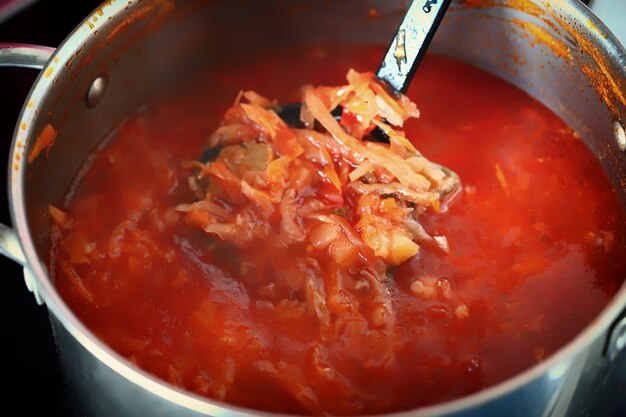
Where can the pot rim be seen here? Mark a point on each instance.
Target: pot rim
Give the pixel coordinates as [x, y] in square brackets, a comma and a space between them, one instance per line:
[557, 363]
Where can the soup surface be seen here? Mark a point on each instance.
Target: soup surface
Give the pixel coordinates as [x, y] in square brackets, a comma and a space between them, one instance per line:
[536, 249]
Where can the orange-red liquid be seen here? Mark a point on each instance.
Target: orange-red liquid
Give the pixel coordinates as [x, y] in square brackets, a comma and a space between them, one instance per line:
[536, 238]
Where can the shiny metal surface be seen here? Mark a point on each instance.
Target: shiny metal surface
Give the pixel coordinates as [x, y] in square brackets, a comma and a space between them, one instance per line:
[620, 135]
[22, 55]
[96, 91]
[10, 245]
[151, 44]
[411, 40]
[617, 341]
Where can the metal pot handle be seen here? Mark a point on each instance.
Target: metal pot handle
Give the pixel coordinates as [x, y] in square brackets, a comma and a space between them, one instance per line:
[25, 56]
[10, 245]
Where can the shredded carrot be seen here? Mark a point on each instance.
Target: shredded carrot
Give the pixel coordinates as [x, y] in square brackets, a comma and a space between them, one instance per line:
[44, 141]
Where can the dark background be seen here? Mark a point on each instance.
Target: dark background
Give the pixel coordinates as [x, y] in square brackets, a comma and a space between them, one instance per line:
[29, 368]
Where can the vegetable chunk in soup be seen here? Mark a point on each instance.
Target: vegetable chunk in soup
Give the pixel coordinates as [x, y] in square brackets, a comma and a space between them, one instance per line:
[312, 271]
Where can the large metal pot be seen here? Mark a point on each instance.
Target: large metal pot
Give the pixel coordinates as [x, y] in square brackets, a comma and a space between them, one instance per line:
[125, 51]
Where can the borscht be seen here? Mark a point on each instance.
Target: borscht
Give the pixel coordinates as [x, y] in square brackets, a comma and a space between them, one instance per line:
[314, 271]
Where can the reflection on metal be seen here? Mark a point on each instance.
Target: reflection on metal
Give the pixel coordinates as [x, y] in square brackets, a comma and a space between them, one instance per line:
[410, 42]
[31, 284]
[617, 341]
[26, 56]
[10, 245]
[620, 135]
[96, 91]
[558, 371]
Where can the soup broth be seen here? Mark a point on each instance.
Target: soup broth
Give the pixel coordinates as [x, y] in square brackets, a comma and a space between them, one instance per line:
[536, 250]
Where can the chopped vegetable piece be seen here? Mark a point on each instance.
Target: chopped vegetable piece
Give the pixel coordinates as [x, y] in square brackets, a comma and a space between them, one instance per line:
[288, 174]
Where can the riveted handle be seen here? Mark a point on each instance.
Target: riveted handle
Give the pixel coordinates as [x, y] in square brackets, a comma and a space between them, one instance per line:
[24, 55]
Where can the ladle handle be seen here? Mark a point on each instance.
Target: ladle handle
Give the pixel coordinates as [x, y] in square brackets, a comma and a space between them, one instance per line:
[409, 43]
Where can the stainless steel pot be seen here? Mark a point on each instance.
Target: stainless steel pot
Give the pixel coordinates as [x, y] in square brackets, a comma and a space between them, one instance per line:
[125, 51]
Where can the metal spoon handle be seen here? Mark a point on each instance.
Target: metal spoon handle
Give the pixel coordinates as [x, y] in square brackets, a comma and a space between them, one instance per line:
[409, 43]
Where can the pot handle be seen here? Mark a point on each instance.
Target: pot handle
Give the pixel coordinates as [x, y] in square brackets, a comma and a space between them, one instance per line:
[10, 245]
[25, 56]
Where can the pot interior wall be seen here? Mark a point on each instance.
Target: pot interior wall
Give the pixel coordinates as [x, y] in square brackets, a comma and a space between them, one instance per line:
[152, 44]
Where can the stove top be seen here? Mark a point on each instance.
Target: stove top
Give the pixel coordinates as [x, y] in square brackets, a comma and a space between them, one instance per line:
[33, 380]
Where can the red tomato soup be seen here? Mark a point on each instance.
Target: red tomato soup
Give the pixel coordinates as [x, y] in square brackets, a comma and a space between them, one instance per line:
[536, 250]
